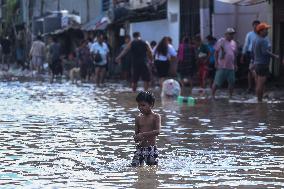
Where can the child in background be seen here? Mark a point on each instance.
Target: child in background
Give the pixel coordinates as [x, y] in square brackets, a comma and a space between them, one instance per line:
[147, 128]
[186, 62]
[203, 55]
[211, 67]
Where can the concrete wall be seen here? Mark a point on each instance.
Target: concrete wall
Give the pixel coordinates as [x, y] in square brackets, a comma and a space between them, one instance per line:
[240, 17]
[155, 30]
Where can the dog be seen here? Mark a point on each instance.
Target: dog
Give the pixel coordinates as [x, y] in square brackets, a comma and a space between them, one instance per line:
[74, 75]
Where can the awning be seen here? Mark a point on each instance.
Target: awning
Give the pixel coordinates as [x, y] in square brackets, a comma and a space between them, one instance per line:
[243, 2]
[100, 23]
[56, 22]
[62, 30]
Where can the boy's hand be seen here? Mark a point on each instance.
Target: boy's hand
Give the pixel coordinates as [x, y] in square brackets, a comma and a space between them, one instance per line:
[118, 60]
[236, 68]
[135, 138]
[216, 63]
[138, 137]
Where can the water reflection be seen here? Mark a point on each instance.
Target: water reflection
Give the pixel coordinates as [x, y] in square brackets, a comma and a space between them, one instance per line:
[146, 178]
[68, 136]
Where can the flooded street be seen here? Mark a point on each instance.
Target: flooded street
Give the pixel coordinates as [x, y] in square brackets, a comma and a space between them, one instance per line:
[68, 136]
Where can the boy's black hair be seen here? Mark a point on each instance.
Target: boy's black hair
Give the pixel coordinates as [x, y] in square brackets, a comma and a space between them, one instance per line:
[153, 43]
[146, 96]
[255, 22]
[136, 34]
[38, 37]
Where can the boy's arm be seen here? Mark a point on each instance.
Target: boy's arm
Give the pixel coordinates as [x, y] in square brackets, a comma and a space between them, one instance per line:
[149, 53]
[136, 126]
[267, 50]
[272, 54]
[156, 130]
[136, 136]
[31, 51]
[208, 54]
[245, 49]
[216, 53]
[125, 50]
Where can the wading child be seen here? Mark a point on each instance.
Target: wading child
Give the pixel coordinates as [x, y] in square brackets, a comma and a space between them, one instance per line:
[147, 128]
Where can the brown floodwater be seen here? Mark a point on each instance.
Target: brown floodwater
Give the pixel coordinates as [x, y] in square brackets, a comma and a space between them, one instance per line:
[69, 136]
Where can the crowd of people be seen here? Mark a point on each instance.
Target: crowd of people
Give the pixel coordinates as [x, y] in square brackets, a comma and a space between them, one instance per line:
[207, 63]
[212, 63]
[88, 59]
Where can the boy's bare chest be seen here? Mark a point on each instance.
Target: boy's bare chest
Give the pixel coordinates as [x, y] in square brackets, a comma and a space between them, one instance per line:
[146, 124]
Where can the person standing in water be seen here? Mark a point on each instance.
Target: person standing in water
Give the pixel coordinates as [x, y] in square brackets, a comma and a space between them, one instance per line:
[141, 53]
[262, 54]
[247, 58]
[225, 62]
[100, 49]
[147, 128]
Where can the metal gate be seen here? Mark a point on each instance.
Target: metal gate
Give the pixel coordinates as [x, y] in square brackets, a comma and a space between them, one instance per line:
[189, 18]
[278, 38]
[281, 48]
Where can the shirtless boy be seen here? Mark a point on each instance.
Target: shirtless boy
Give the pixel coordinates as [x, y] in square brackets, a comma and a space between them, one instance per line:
[147, 128]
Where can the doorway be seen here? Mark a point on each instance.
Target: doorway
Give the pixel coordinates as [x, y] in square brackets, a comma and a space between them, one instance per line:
[281, 48]
[189, 18]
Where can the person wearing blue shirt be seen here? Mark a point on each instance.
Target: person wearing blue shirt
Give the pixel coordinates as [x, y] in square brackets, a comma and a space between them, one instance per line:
[261, 57]
[247, 54]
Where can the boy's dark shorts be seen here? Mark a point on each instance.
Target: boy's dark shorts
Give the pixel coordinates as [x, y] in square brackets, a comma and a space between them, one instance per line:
[146, 155]
[141, 71]
[211, 71]
[56, 67]
[262, 69]
[101, 66]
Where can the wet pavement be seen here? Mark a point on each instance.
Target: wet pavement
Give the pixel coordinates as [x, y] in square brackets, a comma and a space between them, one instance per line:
[78, 136]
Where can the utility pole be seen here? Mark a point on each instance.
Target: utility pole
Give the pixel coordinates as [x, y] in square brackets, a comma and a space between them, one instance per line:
[58, 5]
[88, 10]
[41, 7]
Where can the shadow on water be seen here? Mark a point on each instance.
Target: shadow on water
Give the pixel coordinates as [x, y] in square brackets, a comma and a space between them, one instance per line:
[68, 136]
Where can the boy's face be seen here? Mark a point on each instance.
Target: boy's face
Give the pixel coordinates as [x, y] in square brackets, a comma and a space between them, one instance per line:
[144, 107]
[229, 36]
[264, 32]
[126, 40]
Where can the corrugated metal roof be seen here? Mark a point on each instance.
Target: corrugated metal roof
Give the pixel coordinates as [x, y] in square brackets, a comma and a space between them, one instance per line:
[99, 23]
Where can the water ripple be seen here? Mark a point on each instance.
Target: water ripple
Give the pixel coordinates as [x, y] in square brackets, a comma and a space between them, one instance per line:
[68, 136]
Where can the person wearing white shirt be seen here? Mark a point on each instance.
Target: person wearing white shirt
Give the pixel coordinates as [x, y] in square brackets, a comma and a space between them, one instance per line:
[101, 49]
[163, 53]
